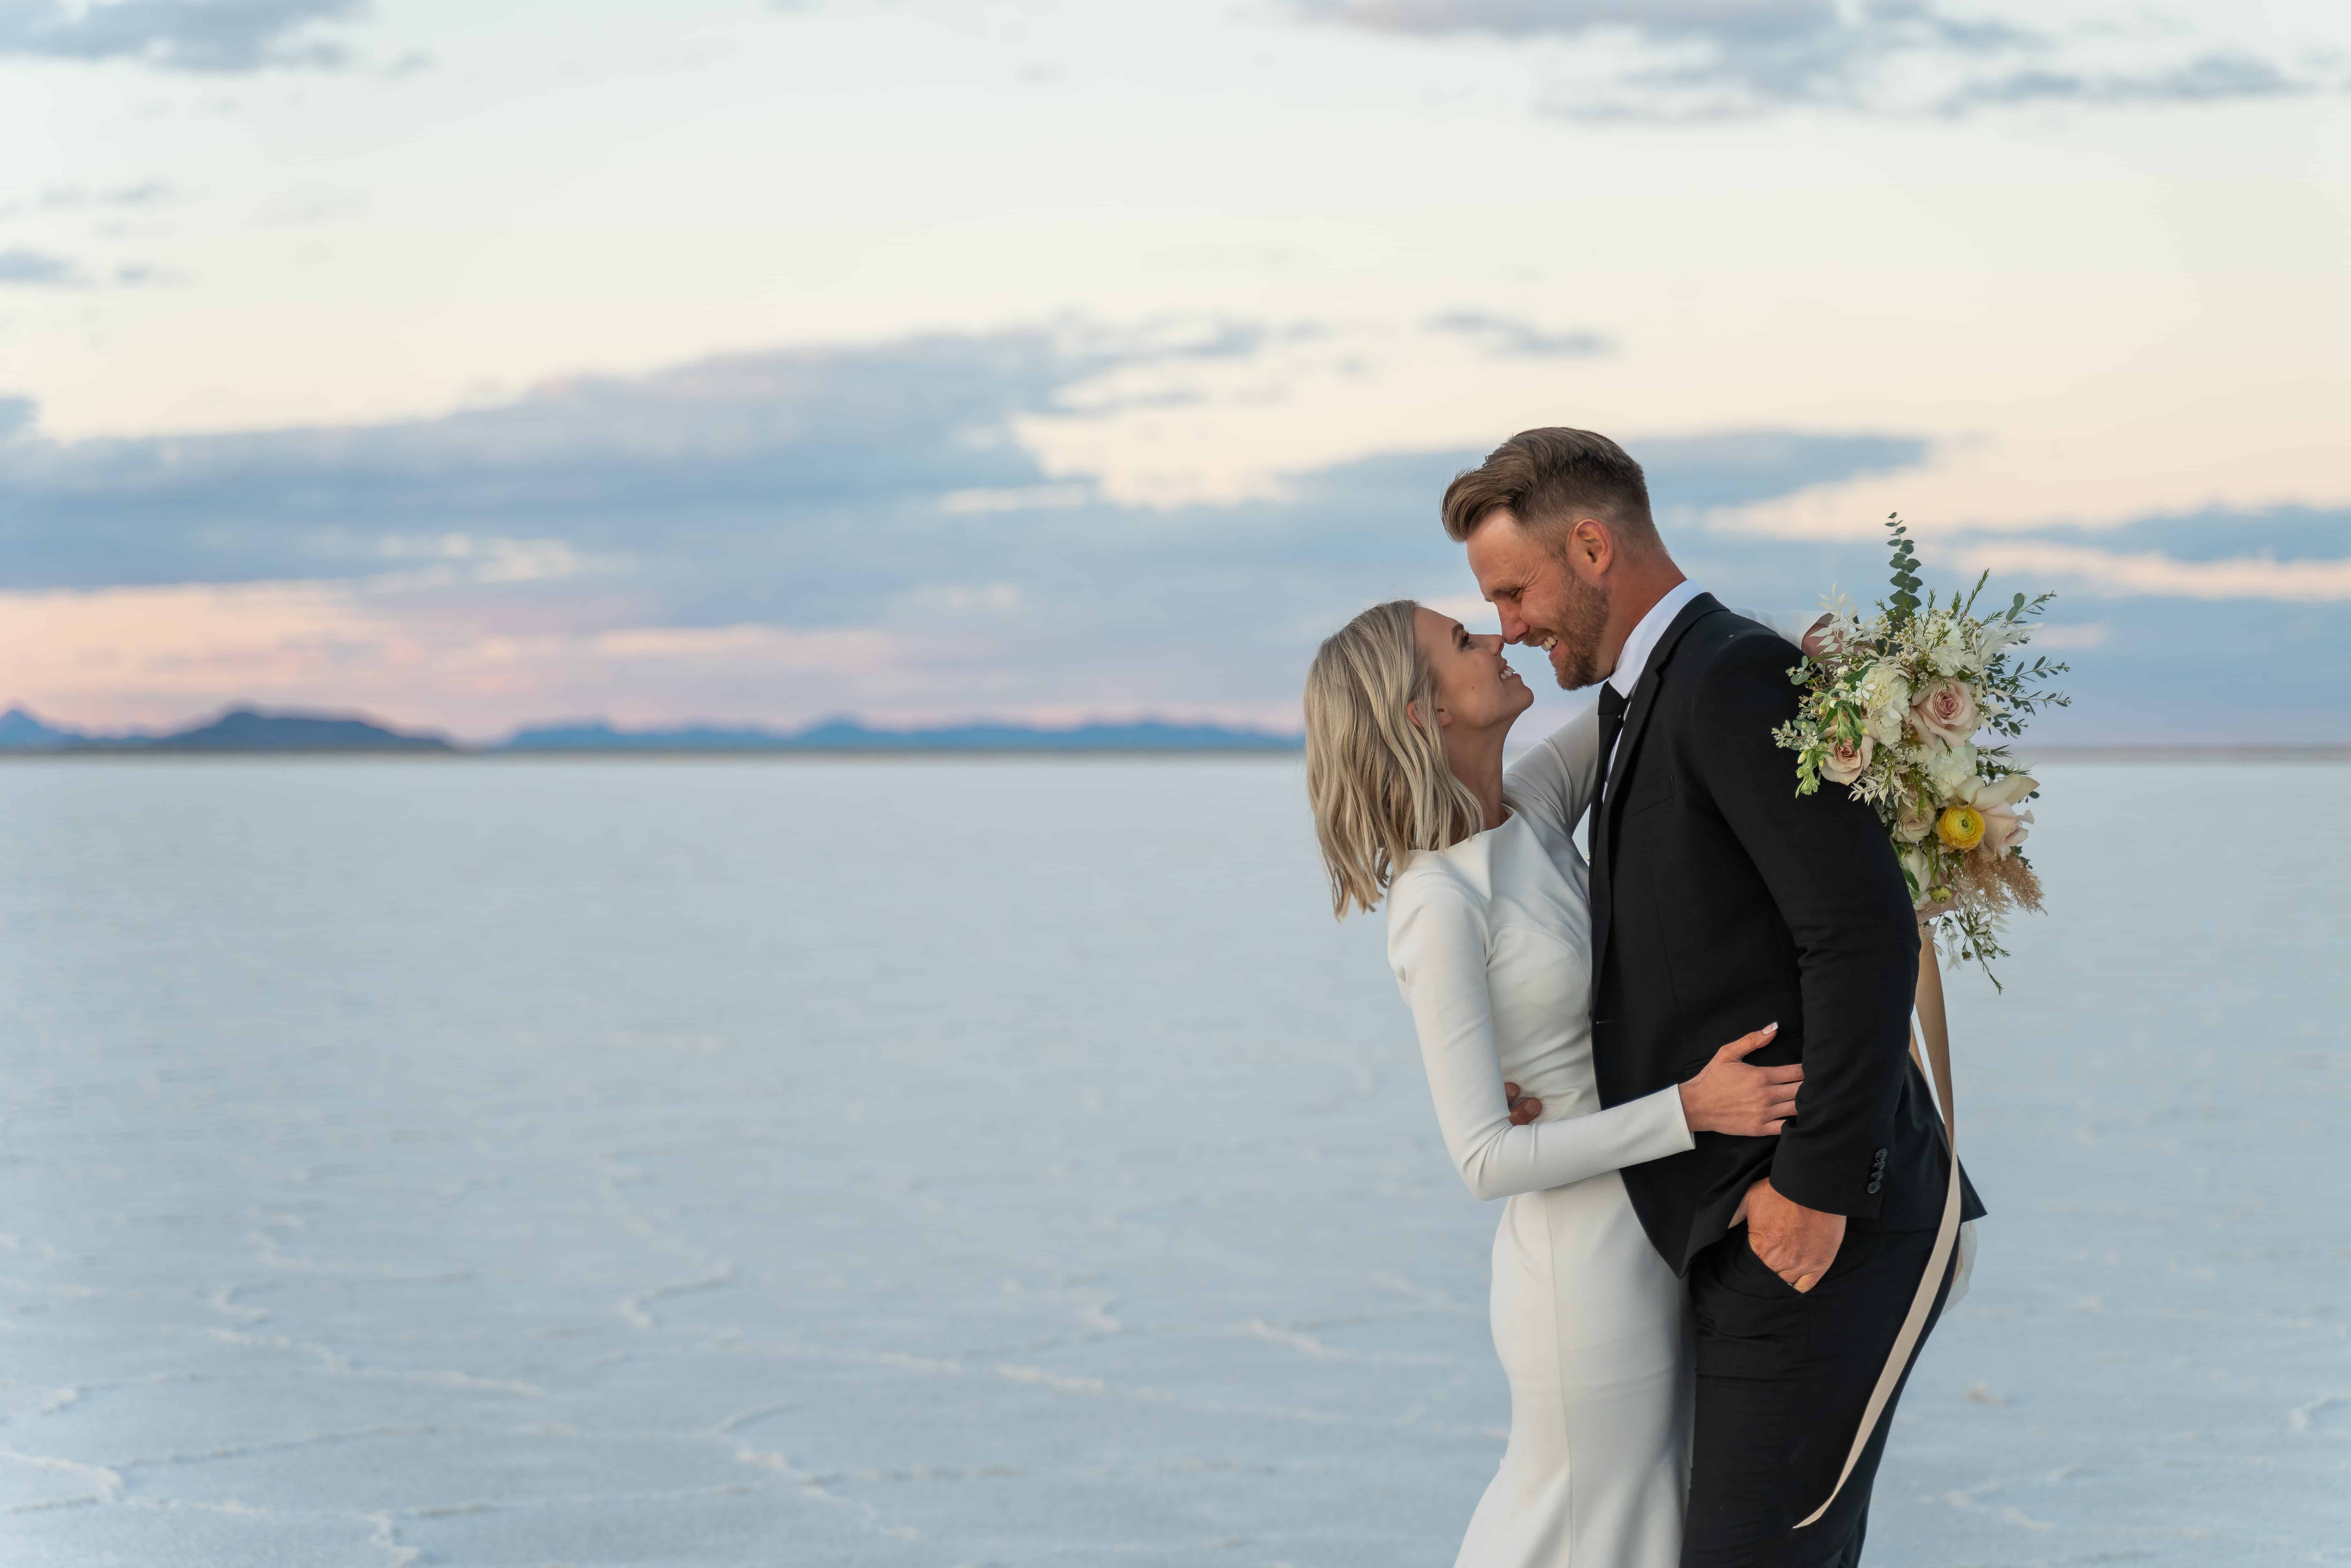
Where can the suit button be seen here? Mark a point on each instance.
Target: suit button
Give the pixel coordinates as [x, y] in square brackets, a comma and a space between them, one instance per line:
[1873, 1185]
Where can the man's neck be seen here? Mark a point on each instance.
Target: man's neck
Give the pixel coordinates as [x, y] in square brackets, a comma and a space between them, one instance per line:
[1631, 599]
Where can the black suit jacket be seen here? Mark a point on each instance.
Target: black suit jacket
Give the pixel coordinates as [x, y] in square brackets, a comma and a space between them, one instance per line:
[1722, 902]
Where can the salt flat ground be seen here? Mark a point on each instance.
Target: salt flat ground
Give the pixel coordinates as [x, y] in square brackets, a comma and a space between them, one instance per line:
[931, 1164]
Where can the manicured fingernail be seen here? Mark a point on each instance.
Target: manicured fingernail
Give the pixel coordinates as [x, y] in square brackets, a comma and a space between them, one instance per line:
[1771, 1028]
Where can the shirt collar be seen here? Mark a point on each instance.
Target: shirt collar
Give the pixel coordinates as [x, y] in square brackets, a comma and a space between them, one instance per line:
[1643, 639]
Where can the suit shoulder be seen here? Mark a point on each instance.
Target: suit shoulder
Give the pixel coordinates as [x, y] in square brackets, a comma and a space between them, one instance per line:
[1738, 665]
[1728, 637]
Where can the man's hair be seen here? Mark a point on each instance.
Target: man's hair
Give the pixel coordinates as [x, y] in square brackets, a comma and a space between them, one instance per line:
[1549, 478]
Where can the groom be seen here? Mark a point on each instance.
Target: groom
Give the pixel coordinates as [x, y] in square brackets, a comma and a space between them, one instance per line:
[1722, 901]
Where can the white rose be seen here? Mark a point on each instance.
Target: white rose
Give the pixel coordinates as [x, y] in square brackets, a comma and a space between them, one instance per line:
[1913, 821]
[1847, 762]
[1885, 699]
[1946, 711]
[1952, 771]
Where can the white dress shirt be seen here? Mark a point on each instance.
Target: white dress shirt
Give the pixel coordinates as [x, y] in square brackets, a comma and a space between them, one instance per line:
[1639, 643]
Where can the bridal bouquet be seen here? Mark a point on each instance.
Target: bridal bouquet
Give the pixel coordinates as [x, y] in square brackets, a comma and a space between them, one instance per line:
[1893, 709]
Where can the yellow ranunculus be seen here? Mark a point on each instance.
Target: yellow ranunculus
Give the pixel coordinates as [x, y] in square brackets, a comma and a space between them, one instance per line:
[1960, 828]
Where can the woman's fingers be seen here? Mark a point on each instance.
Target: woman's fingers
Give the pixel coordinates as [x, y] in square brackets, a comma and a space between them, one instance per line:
[1525, 1111]
[1738, 1049]
[1793, 1073]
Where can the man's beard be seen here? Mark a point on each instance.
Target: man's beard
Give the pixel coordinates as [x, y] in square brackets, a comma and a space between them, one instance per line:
[1583, 622]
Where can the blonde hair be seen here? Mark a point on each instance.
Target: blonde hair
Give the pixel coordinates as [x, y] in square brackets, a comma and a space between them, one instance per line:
[1378, 782]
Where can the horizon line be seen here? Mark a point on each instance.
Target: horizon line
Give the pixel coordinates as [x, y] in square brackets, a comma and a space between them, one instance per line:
[782, 732]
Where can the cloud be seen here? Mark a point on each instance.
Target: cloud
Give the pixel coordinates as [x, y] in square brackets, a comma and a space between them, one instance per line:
[1715, 59]
[790, 458]
[1511, 336]
[80, 199]
[2210, 78]
[1733, 468]
[2152, 575]
[2299, 534]
[210, 36]
[491, 556]
[773, 537]
[38, 268]
[24, 269]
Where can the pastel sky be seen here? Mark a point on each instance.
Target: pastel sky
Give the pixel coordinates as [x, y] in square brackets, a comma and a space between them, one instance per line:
[476, 363]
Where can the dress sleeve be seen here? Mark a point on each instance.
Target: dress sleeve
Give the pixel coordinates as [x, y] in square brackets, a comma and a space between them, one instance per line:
[1557, 779]
[1791, 624]
[1437, 944]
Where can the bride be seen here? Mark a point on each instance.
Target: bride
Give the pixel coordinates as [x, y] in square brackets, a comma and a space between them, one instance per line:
[1488, 932]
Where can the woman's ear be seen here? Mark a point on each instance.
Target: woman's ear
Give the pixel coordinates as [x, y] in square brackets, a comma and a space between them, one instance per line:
[1412, 712]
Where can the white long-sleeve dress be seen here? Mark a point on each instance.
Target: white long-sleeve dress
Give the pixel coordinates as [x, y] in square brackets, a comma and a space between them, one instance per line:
[1490, 941]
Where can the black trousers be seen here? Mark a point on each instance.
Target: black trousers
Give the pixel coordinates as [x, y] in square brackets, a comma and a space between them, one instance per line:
[1781, 1382]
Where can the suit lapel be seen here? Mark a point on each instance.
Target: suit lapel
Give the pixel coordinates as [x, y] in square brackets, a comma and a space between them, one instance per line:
[1636, 721]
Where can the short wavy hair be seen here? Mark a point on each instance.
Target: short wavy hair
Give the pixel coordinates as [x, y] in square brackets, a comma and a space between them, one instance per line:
[1377, 780]
[1550, 477]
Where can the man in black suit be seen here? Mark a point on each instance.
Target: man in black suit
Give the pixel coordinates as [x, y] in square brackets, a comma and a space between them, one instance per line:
[1722, 901]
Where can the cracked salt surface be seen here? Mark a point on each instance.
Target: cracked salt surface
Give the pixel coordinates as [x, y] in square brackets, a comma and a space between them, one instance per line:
[942, 1163]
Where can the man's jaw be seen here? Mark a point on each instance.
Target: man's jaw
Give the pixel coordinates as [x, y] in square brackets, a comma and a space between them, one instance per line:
[1572, 670]
[1553, 650]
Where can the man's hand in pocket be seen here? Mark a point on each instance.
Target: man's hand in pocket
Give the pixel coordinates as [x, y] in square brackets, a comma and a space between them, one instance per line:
[1796, 1243]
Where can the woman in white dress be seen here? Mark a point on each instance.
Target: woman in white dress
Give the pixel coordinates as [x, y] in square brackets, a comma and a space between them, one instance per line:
[1490, 936]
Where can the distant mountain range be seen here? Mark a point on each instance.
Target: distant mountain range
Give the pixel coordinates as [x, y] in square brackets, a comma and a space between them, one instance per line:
[251, 730]
[847, 735]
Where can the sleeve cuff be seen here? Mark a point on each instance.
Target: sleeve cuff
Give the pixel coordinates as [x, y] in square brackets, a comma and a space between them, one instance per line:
[1673, 1121]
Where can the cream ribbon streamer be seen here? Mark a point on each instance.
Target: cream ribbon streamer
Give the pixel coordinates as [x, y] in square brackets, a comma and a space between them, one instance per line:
[1936, 1028]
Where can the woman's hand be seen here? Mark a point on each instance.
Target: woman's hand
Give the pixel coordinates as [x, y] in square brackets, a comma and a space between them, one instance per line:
[1746, 1101]
[1820, 641]
[1524, 1108]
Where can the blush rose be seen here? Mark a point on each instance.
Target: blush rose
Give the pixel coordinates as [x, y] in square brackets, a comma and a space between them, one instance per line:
[1946, 711]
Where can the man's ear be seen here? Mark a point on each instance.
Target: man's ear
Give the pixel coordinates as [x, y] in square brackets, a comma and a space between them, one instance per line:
[1590, 549]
